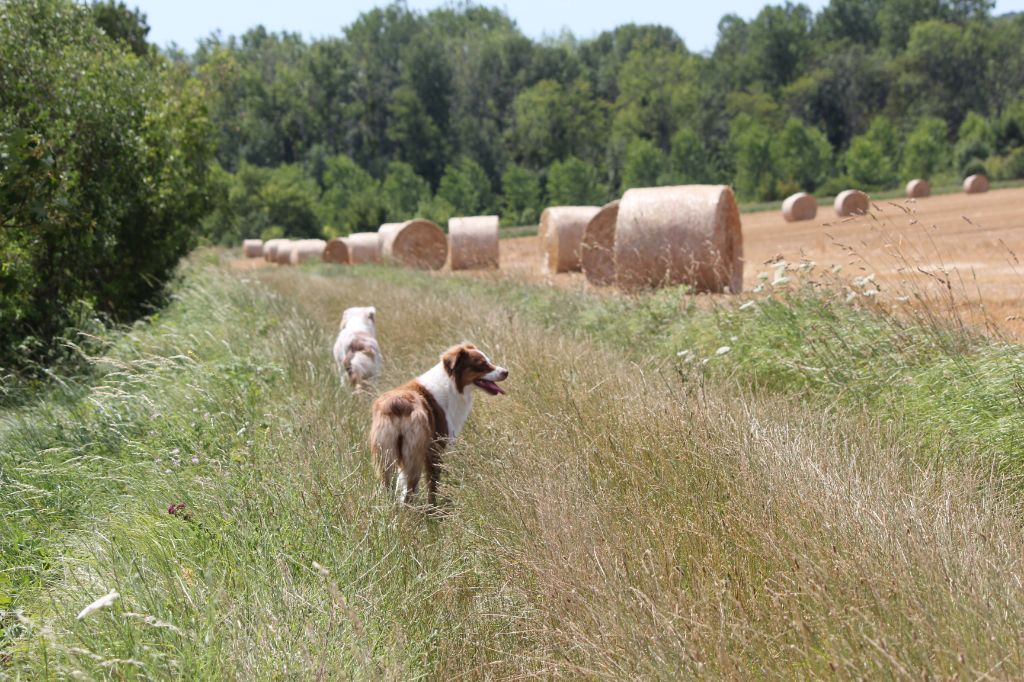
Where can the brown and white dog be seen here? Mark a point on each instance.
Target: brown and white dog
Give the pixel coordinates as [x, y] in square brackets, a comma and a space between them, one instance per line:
[356, 350]
[412, 424]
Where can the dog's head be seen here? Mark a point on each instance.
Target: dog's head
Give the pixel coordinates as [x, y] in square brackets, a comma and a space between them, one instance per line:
[467, 366]
[365, 317]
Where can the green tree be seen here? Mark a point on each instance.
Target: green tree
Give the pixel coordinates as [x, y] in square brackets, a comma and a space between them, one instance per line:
[104, 165]
[658, 91]
[402, 192]
[688, 157]
[520, 188]
[123, 25]
[927, 150]
[575, 182]
[974, 140]
[752, 145]
[551, 122]
[802, 155]
[873, 158]
[645, 166]
[466, 188]
[350, 201]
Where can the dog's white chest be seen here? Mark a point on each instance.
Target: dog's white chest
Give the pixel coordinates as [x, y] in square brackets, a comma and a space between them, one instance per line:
[456, 405]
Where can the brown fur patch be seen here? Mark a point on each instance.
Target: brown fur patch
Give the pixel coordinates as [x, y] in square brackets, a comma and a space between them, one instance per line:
[409, 432]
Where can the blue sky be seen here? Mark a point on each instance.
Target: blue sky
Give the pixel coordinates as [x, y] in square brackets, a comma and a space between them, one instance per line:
[185, 21]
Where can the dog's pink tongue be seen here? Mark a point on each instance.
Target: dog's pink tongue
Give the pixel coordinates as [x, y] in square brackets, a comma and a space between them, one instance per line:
[489, 386]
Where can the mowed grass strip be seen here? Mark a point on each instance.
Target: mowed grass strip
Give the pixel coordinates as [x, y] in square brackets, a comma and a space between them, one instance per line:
[615, 516]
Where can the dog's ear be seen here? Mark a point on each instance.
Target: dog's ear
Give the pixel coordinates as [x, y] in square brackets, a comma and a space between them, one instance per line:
[372, 314]
[453, 358]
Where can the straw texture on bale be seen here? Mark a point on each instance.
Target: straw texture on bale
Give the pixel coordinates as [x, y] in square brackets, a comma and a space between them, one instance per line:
[918, 188]
[283, 255]
[562, 227]
[252, 248]
[799, 206]
[851, 202]
[307, 250]
[363, 247]
[473, 242]
[336, 251]
[415, 243]
[270, 249]
[688, 234]
[975, 184]
[597, 251]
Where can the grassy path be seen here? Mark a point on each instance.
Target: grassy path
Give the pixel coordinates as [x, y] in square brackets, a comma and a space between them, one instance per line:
[612, 517]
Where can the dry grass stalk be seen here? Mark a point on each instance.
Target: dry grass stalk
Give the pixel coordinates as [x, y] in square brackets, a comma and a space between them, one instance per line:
[473, 242]
[597, 251]
[415, 243]
[688, 234]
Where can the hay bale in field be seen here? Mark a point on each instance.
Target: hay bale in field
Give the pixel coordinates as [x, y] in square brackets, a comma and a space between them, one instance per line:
[415, 243]
[918, 189]
[473, 242]
[851, 202]
[597, 249]
[975, 184]
[336, 251]
[270, 249]
[252, 248]
[283, 255]
[306, 250]
[799, 206]
[688, 234]
[363, 247]
[563, 228]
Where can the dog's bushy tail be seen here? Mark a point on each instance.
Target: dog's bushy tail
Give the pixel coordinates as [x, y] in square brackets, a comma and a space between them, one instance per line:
[399, 431]
[362, 369]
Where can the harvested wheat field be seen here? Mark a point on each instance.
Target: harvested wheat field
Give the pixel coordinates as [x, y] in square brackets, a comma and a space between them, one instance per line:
[906, 244]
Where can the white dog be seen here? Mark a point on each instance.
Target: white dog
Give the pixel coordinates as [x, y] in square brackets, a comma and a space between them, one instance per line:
[356, 351]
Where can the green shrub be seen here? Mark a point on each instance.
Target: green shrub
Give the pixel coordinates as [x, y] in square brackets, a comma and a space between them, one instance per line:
[104, 165]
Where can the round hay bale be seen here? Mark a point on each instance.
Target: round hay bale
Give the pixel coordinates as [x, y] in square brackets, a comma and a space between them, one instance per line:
[363, 247]
[473, 242]
[851, 202]
[597, 250]
[283, 255]
[415, 243]
[252, 248]
[563, 228]
[306, 250]
[918, 189]
[270, 249]
[975, 184]
[689, 234]
[799, 206]
[336, 251]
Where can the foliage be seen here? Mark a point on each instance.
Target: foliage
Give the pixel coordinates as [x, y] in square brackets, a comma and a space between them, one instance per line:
[466, 187]
[402, 192]
[926, 152]
[350, 201]
[802, 155]
[574, 182]
[103, 174]
[646, 165]
[873, 158]
[520, 188]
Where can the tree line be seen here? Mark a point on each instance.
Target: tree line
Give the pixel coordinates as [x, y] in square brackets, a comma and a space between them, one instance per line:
[117, 158]
[455, 111]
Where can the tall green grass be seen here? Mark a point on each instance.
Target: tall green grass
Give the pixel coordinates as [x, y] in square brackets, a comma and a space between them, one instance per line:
[812, 503]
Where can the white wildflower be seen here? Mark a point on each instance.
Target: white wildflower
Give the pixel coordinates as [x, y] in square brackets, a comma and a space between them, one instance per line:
[747, 306]
[758, 289]
[871, 293]
[734, 339]
[864, 281]
[103, 602]
[779, 281]
[850, 296]
[763, 276]
[723, 350]
[902, 299]
[321, 569]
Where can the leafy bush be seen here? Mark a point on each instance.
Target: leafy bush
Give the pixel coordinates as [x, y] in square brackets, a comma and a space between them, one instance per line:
[104, 165]
[927, 151]
[645, 166]
[873, 157]
[521, 195]
[575, 182]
